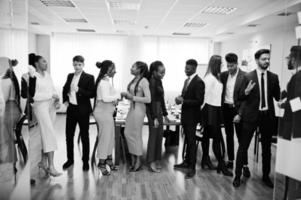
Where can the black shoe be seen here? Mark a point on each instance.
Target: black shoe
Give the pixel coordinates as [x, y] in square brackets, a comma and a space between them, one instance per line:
[229, 165]
[190, 174]
[86, 166]
[236, 182]
[32, 182]
[206, 162]
[67, 164]
[183, 165]
[267, 181]
[222, 168]
[246, 172]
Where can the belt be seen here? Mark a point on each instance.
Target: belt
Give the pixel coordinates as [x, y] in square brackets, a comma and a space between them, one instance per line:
[263, 112]
[229, 105]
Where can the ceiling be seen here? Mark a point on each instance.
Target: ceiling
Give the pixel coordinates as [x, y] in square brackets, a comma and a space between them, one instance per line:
[215, 19]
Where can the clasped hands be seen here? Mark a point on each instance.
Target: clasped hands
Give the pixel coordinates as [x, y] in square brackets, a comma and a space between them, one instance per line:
[127, 96]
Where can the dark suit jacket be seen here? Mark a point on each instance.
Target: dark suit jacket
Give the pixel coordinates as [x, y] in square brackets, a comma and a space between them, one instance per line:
[193, 99]
[290, 123]
[251, 102]
[238, 83]
[86, 91]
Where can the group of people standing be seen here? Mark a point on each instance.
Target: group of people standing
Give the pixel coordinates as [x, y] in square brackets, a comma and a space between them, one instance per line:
[241, 101]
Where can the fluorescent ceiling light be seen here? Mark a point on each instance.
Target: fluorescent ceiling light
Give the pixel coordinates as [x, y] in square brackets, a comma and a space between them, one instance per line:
[194, 25]
[218, 10]
[80, 20]
[85, 30]
[118, 5]
[58, 3]
[124, 22]
[179, 33]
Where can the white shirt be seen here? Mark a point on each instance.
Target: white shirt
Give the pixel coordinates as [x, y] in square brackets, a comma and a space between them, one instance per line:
[229, 95]
[72, 94]
[106, 92]
[259, 72]
[190, 78]
[44, 87]
[213, 90]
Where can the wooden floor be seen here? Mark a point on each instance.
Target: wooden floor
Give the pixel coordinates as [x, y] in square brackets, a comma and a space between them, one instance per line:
[169, 184]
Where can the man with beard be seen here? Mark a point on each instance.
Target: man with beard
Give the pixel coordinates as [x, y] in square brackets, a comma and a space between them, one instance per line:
[258, 90]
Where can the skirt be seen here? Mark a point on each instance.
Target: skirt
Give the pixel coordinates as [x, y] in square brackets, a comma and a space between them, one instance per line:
[211, 115]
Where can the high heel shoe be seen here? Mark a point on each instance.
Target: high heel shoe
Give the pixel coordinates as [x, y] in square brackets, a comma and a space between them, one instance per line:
[206, 163]
[221, 168]
[103, 169]
[43, 167]
[152, 168]
[53, 172]
[136, 169]
[109, 162]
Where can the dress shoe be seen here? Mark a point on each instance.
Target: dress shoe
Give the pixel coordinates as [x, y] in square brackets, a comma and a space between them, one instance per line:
[267, 181]
[236, 182]
[222, 168]
[183, 165]
[246, 172]
[67, 164]
[229, 165]
[86, 166]
[190, 174]
[206, 163]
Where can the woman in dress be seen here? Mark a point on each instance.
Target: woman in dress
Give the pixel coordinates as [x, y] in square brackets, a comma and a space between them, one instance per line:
[106, 100]
[138, 94]
[155, 112]
[10, 112]
[212, 114]
[45, 102]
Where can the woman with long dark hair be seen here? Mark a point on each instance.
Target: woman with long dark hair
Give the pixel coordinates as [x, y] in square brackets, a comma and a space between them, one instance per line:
[106, 100]
[11, 111]
[212, 115]
[138, 94]
[45, 100]
[156, 110]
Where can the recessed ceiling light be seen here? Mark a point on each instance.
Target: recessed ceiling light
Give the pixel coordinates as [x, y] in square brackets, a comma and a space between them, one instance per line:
[179, 33]
[194, 25]
[252, 25]
[218, 10]
[76, 20]
[124, 22]
[118, 5]
[284, 14]
[34, 23]
[58, 3]
[85, 30]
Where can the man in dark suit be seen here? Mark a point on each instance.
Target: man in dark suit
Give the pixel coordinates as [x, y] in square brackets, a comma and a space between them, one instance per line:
[259, 88]
[289, 126]
[192, 98]
[231, 107]
[77, 92]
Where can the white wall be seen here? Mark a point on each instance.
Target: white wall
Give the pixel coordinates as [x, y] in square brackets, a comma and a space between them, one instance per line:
[280, 39]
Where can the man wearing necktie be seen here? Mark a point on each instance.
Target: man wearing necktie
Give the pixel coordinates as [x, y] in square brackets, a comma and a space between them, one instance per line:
[192, 98]
[258, 90]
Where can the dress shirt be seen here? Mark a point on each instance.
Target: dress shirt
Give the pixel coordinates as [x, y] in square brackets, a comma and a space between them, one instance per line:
[106, 92]
[72, 94]
[259, 72]
[213, 90]
[190, 78]
[44, 87]
[229, 96]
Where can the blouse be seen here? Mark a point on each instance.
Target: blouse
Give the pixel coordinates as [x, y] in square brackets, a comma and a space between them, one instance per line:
[157, 95]
[44, 89]
[106, 92]
[213, 90]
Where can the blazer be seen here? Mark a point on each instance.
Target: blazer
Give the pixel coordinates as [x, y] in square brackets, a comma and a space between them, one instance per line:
[238, 83]
[86, 91]
[251, 102]
[291, 127]
[193, 98]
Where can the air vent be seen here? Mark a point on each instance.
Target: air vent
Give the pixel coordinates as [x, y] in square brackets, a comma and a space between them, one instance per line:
[183, 34]
[124, 22]
[116, 5]
[34, 23]
[58, 3]
[229, 33]
[75, 20]
[194, 25]
[217, 10]
[252, 25]
[284, 14]
[121, 31]
[86, 30]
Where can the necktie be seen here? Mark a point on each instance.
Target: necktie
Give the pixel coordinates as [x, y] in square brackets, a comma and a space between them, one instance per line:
[186, 84]
[263, 103]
